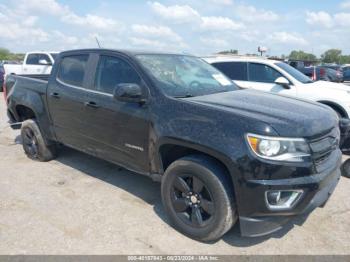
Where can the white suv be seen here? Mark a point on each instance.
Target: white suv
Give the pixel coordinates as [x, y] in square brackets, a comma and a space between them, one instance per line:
[280, 78]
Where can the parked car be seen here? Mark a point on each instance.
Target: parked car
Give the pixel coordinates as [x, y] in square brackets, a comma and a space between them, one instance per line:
[346, 73]
[300, 64]
[2, 77]
[334, 75]
[222, 154]
[35, 63]
[316, 73]
[9, 62]
[338, 72]
[280, 78]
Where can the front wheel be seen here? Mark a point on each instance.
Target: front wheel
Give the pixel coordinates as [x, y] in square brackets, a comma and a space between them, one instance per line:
[198, 198]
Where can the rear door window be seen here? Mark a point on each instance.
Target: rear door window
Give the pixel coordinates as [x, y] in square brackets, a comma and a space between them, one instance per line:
[262, 73]
[72, 70]
[233, 70]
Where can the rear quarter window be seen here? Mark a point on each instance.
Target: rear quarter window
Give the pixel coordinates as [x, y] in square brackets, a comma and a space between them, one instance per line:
[72, 70]
[233, 70]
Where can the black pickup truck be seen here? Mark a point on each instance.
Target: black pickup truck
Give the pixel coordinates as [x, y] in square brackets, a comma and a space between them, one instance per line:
[222, 154]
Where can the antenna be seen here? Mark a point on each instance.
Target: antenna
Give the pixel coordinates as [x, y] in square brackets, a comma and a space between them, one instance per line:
[98, 43]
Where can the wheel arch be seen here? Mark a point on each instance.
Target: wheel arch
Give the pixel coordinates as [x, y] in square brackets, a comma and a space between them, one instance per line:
[24, 112]
[336, 107]
[172, 149]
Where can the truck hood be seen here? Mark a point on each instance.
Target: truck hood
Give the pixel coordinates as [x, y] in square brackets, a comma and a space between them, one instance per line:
[331, 85]
[289, 117]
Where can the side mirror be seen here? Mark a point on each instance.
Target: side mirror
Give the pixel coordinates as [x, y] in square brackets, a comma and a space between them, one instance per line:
[282, 81]
[128, 92]
[44, 62]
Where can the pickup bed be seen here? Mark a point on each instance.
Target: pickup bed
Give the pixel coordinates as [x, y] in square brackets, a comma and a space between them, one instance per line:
[222, 154]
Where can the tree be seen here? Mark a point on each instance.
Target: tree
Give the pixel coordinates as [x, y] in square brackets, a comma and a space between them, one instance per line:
[301, 55]
[344, 59]
[332, 56]
[4, 54]
[232, 51]
[7, 55]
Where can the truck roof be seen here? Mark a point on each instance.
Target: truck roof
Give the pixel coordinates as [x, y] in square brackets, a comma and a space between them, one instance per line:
[230, 58]
[45, 52]
[124, 51]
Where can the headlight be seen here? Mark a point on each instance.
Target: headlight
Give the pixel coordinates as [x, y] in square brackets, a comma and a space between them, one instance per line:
[279, 148]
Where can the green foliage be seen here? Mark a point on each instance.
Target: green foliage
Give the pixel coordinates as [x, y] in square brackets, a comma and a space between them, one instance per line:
[331, 56]
[5, 54]
[301, 55]
[232, 51]
[345, 59]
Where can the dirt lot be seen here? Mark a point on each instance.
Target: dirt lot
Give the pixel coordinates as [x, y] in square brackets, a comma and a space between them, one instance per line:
[81, 205]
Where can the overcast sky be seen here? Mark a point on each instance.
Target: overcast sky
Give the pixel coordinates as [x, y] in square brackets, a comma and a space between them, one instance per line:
[192, 26]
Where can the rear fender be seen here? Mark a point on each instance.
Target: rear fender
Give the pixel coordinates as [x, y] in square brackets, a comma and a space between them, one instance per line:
[35, 102]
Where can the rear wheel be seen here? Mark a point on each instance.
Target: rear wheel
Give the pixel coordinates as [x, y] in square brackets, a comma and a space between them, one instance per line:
[198, 198]
[34, 144]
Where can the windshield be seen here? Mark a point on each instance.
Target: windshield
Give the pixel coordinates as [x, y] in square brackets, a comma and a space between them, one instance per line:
[294, 73]
[185, 76]
[54, 56]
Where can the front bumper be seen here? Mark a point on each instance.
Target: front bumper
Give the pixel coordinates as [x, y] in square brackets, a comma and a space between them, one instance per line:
[317, 189]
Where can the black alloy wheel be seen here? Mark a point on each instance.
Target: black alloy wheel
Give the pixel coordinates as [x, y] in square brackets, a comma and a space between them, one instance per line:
[30, 143]
[192, 201]
[198, 197]
[34, 144]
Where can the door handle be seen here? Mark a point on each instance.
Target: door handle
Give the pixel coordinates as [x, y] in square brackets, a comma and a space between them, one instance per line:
[55, 95]
[91, 104]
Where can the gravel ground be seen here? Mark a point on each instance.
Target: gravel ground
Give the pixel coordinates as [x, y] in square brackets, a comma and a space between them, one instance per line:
[78, 204]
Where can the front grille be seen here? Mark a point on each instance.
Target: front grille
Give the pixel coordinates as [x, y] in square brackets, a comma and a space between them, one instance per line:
[322, 147]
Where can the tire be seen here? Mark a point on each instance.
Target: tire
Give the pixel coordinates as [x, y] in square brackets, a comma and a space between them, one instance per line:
[34, 144]
[203, 208]
[345, 169]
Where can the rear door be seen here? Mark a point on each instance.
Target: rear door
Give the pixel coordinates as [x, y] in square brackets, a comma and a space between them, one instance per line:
[236, 71]
[262, 77]
[119, 130]
[66, 96]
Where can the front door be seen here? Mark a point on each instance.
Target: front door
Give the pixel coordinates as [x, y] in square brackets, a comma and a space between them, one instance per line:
[120, 130]
[262, 77]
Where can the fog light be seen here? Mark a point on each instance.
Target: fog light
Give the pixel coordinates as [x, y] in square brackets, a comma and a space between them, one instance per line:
[282, 199]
